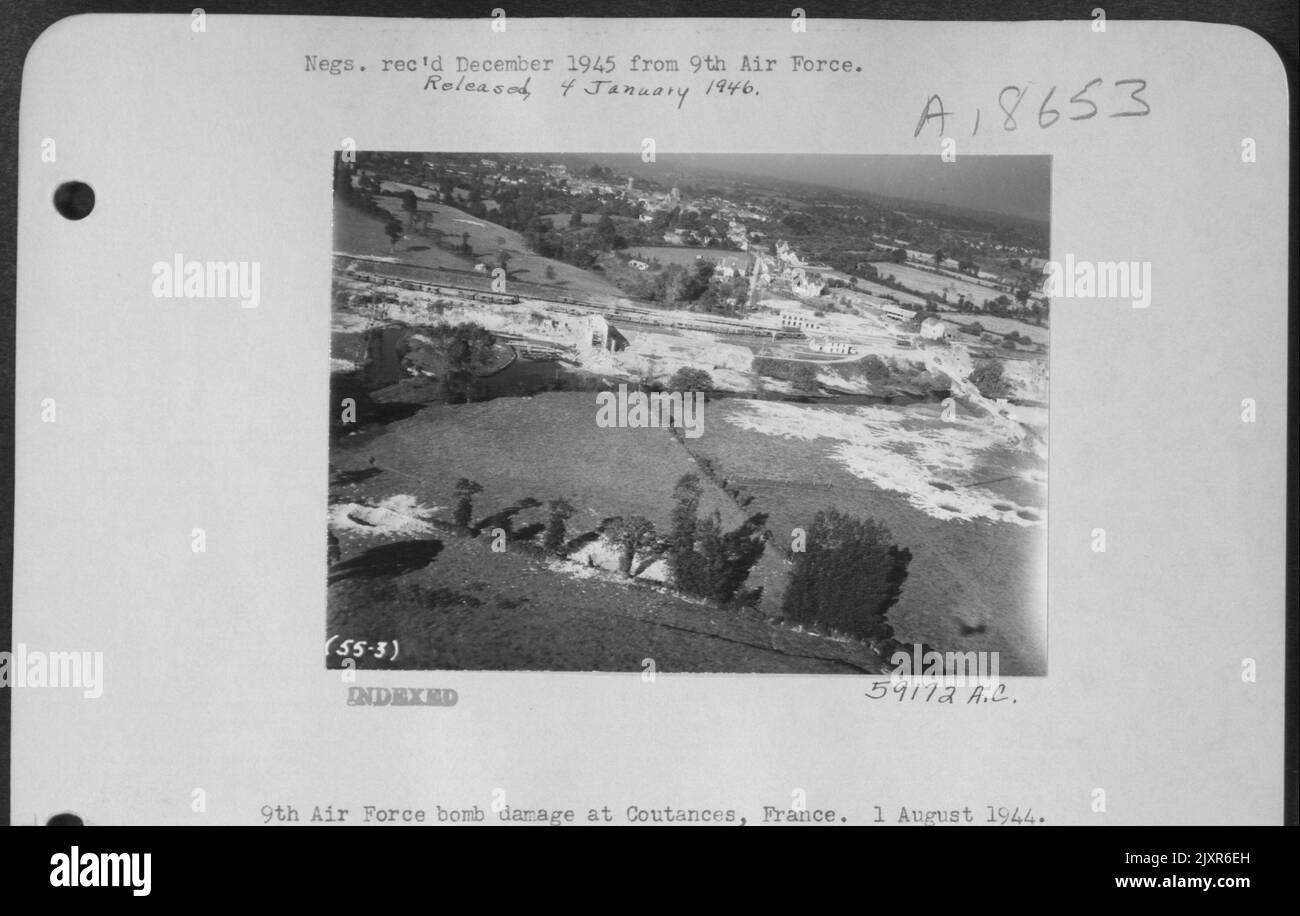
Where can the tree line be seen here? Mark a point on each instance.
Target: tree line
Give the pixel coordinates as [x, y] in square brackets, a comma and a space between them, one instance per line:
[845, 572]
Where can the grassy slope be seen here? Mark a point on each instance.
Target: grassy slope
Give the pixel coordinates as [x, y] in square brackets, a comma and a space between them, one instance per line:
[474, 609]
[961, 572]
[546, 447]
[471, 608]
[360, 233]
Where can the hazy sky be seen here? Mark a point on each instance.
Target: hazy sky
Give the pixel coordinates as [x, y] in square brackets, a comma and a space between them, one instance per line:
[1018, 185]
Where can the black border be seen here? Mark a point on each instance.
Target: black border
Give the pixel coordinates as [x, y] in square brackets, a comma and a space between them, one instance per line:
[1277, 21]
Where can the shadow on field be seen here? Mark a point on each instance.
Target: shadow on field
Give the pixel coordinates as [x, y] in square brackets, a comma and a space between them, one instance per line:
[387, 560]
[393, 402]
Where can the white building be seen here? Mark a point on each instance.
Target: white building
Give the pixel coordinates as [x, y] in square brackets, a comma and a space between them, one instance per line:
[807, 283]
[934, 329]
[827, 345]
[729, 267]
[804, 321]
[895, 313]
[786, 255]
[594, 332]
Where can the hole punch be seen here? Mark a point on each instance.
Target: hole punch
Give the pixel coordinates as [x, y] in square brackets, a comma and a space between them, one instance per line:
[65, 819]
[74, 199]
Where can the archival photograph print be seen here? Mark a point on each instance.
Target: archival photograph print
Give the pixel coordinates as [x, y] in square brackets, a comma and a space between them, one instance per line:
[755, 413]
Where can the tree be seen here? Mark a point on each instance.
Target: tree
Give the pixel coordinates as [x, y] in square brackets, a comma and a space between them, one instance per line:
[987, 377]
[606, 233]
[704, 560]
[710, 562]
[630, 534]
[898, 256]
[394, 231]
[468, 347]
[975, 328]
[848, 576]
[553, 539]
[874, 368]
[740, 550]
[1022, 296]
[465, 490]
[688, 378]
[575, 219]
[410, 203]
[681, 540]
[550, 271]
[464, 244]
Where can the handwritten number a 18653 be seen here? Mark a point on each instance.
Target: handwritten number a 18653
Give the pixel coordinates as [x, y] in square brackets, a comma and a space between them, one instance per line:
[1047, 115]
[1141, 87]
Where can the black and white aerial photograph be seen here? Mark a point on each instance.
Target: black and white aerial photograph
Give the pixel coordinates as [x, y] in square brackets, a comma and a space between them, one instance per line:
[709, 413]
[648, 415]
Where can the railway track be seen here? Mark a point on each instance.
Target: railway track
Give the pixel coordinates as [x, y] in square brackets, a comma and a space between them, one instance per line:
[627, 313]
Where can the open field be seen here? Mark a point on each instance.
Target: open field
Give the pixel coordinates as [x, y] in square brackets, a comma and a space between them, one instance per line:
[976, 579]
[400, 186]
[907, 300]
[977, 539]
[561, 220]
[400, 572]
[1002, 325]
[926, 282]
[669, 254]
[545, 447]
[359, 233]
